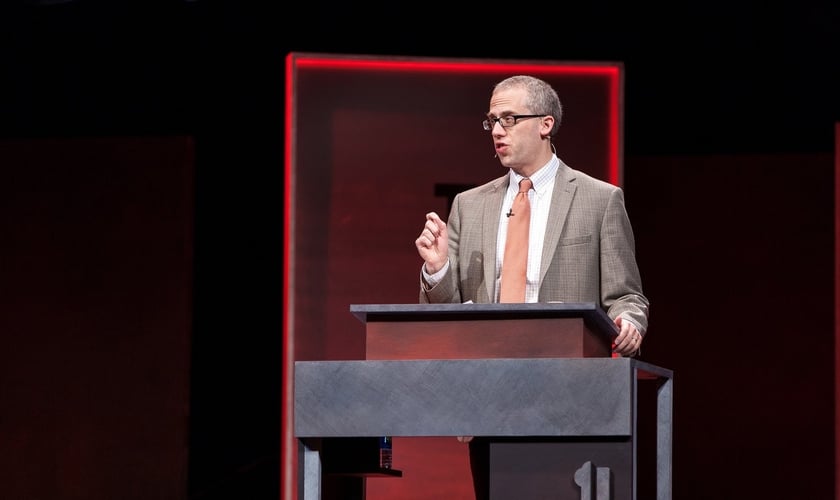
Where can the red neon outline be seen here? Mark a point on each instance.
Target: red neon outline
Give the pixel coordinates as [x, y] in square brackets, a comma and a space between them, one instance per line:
[454, 67]
[836, 306]
[288, 455]
[288, 462]
[610, 70]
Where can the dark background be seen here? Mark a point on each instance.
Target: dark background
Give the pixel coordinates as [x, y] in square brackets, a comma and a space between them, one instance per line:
[705, 78]
[703, 81]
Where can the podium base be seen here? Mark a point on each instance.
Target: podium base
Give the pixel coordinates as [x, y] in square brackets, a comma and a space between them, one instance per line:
[548, 469]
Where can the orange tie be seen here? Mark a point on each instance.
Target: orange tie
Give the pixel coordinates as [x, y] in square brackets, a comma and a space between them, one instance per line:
[515, 263]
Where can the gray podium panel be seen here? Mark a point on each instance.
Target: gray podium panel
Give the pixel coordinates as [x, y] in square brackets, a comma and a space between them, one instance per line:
[592, 400]
[487, 397]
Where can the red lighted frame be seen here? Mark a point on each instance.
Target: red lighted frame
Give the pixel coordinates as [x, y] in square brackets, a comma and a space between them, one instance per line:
[837, 303]
[296, 61]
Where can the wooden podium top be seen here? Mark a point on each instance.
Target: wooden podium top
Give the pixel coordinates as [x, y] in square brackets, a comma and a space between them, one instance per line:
[461, 331]
[592, 315]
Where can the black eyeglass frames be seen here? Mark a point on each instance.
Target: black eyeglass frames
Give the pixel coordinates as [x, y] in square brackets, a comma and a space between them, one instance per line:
[505, 121]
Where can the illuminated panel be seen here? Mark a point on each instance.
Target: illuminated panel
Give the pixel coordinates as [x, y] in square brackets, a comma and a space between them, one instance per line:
[353, 119]
[837, 300]
[611, 72]
[288, 448]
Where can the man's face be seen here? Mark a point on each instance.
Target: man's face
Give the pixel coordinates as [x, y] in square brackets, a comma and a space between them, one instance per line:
[518, 144]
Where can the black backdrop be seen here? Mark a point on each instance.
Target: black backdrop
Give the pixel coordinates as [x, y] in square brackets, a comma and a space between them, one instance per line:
[701, 81]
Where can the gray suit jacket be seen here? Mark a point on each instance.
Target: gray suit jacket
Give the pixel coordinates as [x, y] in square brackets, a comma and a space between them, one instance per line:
[588, 255]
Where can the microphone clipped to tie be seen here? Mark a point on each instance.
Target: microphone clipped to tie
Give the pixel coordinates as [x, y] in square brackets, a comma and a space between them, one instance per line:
[510, 212]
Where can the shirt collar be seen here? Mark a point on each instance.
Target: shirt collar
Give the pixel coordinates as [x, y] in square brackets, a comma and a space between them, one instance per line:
[542, 178]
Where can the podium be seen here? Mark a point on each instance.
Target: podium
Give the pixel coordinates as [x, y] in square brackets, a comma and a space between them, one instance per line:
[537, 378]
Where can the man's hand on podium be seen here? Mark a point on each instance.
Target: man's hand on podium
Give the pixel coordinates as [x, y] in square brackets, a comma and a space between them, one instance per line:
[628, 342]
[465, 439]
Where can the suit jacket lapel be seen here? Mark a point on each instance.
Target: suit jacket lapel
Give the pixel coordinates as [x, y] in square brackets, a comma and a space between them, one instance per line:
[490, 223]
[561, 200]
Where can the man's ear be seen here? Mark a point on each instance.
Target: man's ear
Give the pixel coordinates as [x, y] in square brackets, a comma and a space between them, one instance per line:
[547, 124]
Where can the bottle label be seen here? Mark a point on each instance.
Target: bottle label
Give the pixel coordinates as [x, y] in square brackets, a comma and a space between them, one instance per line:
[385, 452]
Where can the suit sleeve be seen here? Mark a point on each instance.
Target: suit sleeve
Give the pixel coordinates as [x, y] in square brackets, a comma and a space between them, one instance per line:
[621, 285]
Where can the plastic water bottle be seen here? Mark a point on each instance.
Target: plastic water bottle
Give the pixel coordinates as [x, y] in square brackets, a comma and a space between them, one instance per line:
[385, 452]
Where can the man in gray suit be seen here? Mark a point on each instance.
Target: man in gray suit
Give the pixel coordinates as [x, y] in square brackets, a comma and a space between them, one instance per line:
[580, 245]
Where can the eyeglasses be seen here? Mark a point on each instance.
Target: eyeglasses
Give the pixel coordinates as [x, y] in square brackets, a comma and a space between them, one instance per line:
[505, 121]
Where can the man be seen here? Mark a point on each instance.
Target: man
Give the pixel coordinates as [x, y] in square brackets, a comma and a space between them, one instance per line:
[580, 245]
